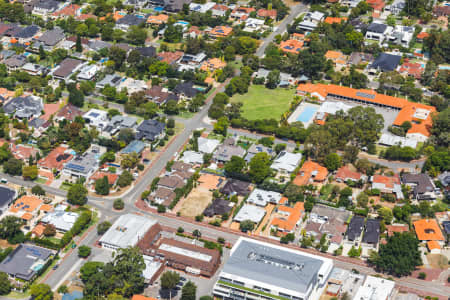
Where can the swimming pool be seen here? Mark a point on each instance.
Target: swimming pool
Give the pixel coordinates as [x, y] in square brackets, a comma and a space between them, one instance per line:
[37, 267]
[158, 8]
[307, 114]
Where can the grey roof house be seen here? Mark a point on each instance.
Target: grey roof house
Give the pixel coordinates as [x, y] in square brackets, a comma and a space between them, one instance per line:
[258, 148]
[372, 232]
[129, 20]
[52, 37]
[15, 62]
[386, 62]
[150, 130]
[25, 261]
[119, 122]
[66, 68]
[27, 107]
[225, 152]
[355, 228]
[186, 90]
[422, 186]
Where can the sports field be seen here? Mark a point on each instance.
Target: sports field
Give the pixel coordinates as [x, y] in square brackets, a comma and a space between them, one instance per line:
[263, 103]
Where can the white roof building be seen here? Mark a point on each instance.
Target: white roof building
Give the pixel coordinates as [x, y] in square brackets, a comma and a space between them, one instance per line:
[192, 157]
[126, 231]
[375, 288]
[286, 162]
[96, 118]
[207, 145]
[62, 220]
[261, 197]
[88, 72]
[250, 212]
[331, 107]
[133, 85]
[391, 140]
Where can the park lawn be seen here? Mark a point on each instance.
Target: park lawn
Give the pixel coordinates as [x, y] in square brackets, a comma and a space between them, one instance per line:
[263, 103]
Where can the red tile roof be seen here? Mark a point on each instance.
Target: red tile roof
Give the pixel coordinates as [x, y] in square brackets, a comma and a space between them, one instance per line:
[112, 178]
[344, 173]
[56, 158]
[267, 13]
[388, 181]
[428, 230]
[294, 216]
[310, 170]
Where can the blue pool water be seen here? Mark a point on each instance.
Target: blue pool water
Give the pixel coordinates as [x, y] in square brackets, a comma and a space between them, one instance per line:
[37, 267]
[158, 8]
[307, 114]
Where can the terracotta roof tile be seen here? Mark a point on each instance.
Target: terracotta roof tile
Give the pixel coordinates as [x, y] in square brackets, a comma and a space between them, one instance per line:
[310, 170]
[428, 230]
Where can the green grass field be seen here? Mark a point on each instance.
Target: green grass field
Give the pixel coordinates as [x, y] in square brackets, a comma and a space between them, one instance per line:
[263, 103]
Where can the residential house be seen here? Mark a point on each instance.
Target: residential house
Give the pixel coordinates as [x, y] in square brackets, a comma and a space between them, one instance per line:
[56, 159]
[119, 122]
[162, 196]
[291, 46]
[253, 25]
[334, 20]
[413, 69]
[420, 38]
[357, 58]
[241, 13]
[15, 62]
[135, 146]
[258, 148]
[401, 35]
[218, 207]
[441, 11]
[129, 20]
[337, 57]
[376, 288]
[267, 13]
[88, 72]
[68, 112]
[150, 130]
[206, 145]
[355, 229]
[192, 157]
[428, 230]
[213, 64]
[23, 152]
[111, 80]
[224, 153]
[175, 5]
[133, 85]
[236, 187]
[386, 62]
[96, 118]
[66, 68]
[71, 10]
[24, 107]
[158, 19]
[377, 5]
[387, 184]
[422, 186]
[345, 174]
[309, 173]
[201, 8]
[170, 58]
[191, 62]
[186, 90]
[97, 45]
[61, 219]
[289, 217]
[45, 8]
[160, 95]
[171, 182]
[396, 228]
[261, 197]
[147, 51]
[220, 31]
[311, 20]
[286, 162]
[371, 233]
[27, 33]
[84, 165]
[34, 69]
[378, 32]
[251, 213]
[219, 10]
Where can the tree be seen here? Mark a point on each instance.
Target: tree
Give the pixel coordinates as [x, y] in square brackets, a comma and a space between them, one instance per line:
[399, 256]
[30, 172]
[118, 204]
[125, 179]
[386, 214]
[169, 280]
[137, 35]
[102, 186]
[189, 291]
[38, 190]
[77, 194]
[221, 126]
[76, 97]
[41, 291]
[84, 251]
[259, 167]
[246, 225]
[362, 199]
[78, 46]
[129, 161]
[89, 269]
[5, 284]
[63, 289]
[126, 135]
[273, 79]
[103, 227]
[13, 167]
[49, 230]
[234, 165]
[10, 227]
[332, 162]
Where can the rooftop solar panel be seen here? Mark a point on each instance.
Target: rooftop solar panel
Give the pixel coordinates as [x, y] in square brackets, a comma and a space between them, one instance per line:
[365, 95]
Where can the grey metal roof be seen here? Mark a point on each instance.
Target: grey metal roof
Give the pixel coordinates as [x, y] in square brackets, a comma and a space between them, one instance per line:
[52, 37]
[149, 129]
[24, 107]
[372, 231]
[386, 62]
[355, 228]
[273, 266]
[24, 261]
[377, 27]
[28, 32]
[131, 20]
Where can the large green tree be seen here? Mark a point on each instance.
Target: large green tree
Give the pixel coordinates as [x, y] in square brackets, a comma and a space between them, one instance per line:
[259, 167]
[77, 194]
[189, 291]
[5, 285]
[41, 292]
[10, 227]
[399, 256]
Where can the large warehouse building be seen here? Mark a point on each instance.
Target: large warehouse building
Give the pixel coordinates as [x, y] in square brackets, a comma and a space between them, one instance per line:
[258, 270]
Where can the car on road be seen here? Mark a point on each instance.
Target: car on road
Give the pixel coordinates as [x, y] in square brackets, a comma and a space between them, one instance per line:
[4, 180]
[55, 267]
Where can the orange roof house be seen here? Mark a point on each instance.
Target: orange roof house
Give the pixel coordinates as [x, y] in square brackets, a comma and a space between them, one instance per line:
[420, 115]
[377, 5]
[38, 230]
[332, 20]
[297, 36]
[213, 64]
[7, 94]
[23, 152]
[267, 13]
[68, 10]
[50, 109]
[411, 69]
[55, 159]
[392, 229]
[84, 17]
[310, 172]
[112, 178]
[26, 204]
[421, 36]
[344, 173]
[158, 19]
[221, 31]
[292, 219]
[291, 46]
[170, 57]
[337, 57]
[140, 297]
[428, 230]
[46, 208]
[27, 216]
[434, 247]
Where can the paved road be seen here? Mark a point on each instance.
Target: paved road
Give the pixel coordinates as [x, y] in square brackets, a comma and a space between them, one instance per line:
[394, 165]
[295, 11]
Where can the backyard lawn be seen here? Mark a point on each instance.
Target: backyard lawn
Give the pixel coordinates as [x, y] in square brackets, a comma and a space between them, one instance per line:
[263, 103]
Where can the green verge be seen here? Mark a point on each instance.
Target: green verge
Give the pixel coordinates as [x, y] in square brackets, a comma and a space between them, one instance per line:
[240, 287]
